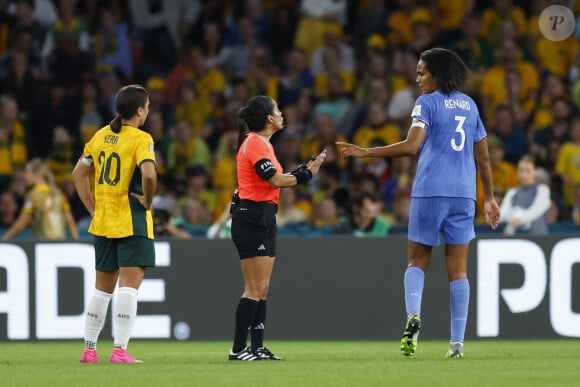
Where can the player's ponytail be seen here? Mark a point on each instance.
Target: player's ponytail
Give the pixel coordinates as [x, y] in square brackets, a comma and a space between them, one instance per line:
[127, 101]
[116, 124]
[242, 128]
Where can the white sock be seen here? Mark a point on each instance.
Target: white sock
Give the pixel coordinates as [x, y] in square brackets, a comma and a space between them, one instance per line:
[95, 317]
[125, 314]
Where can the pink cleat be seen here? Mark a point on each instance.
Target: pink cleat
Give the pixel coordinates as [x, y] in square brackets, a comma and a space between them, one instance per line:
[89, 356]
[120, 355]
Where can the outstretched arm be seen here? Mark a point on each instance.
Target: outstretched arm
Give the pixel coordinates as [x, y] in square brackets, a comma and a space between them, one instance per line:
[282, 180]
[408, 147]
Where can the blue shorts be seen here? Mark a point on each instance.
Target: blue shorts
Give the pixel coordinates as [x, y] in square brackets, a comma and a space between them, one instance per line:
[453, 217]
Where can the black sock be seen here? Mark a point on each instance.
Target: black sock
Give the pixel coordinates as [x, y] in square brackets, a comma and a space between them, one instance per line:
[245, 313]
[258, 326]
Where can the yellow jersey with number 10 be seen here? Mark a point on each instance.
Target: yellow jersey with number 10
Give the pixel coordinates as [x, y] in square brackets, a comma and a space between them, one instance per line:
[117, 158]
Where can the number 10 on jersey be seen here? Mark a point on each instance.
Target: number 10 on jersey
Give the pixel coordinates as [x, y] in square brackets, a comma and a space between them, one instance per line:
[110, 168]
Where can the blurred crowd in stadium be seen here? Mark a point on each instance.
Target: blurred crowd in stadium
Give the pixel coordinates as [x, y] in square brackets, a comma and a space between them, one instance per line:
[340, 70]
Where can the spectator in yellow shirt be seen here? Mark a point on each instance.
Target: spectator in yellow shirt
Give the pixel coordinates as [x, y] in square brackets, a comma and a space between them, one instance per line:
[290, 210]
[194, 67]
[399, 22]
[374, 81]
[339, 107]
[422, 31]
[191, 107]
[377, 127]
[333, 37]
[60, 156]
[449, 15]
[324, 137]
[494, 86]
[325, 214]
[206, 80]
[494, 15]
[568, 162]
[316, 17]
[556, 57]
[186, 150]
[260, 77]
[45, 207]
[552, 89]
[509, 30]
[559, 130]
[197, 186]
[331, 59]
[13, 148]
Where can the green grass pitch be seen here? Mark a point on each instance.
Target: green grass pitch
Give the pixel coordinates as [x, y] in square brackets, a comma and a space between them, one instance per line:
[307, 363]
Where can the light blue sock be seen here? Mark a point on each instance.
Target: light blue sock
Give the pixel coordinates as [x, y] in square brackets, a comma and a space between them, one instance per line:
[459, 297]
[414, 281]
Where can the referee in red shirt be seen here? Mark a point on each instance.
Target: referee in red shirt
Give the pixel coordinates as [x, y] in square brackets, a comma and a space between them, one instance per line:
[260, 178]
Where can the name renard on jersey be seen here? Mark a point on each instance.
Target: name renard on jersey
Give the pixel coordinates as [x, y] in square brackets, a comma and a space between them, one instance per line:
[457, 104]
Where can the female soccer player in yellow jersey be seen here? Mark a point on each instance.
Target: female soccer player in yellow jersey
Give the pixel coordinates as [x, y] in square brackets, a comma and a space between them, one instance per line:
[45, 208]
[123, 159]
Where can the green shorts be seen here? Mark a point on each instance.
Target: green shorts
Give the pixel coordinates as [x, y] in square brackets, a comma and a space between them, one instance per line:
[112, 253]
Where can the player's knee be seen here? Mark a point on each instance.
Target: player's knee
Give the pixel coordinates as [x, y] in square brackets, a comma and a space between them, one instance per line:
[262, 289]
[257, 290]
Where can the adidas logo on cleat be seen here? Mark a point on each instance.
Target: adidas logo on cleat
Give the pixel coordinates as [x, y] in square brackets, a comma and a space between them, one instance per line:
[264, 353]
[244, 355]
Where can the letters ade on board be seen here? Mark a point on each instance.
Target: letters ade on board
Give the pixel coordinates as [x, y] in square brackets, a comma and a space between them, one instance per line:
[323, 288]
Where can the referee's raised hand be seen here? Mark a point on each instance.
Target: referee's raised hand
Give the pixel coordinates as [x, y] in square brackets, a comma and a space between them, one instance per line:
[314, 165]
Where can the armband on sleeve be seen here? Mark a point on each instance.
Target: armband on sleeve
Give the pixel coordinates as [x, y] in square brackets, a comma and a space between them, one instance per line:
[419, 123]
[265, 168]
[302, 175]
[87, 160]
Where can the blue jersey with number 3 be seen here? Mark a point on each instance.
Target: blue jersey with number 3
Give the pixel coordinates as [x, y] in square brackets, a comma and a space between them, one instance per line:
[446, 163]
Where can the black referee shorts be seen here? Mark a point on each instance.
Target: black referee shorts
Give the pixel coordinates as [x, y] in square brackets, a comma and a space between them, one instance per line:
[254, 229]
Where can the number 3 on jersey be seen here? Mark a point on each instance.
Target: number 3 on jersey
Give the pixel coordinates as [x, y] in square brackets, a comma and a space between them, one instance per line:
[461, 131]
[111, 163]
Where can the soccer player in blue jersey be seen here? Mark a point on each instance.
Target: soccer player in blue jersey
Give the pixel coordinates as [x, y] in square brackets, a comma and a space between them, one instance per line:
[448, 134]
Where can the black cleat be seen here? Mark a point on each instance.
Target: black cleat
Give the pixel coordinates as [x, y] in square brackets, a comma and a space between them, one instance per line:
[264, 354]
[244, 355]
